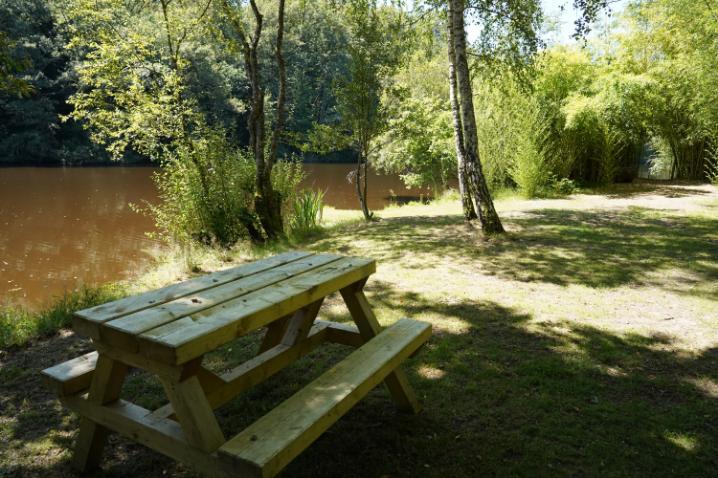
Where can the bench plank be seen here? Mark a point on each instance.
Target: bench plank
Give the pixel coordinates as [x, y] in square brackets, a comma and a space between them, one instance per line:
[87, 320]
[71, 377]
[270, 443]
[121, 332]
[190, 337]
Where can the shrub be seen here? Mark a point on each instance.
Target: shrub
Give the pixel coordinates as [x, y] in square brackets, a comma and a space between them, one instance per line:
[286, 177]
[207, 191]
[563, 186]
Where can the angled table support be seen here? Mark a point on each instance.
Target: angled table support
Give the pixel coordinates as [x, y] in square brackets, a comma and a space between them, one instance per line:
[369, 327]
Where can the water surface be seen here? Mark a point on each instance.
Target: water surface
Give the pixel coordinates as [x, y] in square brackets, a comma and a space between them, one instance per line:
[64, 227]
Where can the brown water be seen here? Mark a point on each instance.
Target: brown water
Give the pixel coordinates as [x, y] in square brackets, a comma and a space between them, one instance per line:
[61, 228]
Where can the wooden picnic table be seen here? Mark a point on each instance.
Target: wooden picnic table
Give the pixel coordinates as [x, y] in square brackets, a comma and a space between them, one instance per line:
[168, 331]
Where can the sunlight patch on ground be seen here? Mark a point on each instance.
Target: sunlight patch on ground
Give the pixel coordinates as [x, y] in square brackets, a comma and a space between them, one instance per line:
[431, 373]
[705, 385]
[681, 440]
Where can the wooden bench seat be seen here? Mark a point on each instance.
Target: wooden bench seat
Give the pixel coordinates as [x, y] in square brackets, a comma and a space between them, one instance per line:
[71, 377]
[269, 444]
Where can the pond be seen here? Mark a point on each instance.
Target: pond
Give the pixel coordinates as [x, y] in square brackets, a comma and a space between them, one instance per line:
[64, 227]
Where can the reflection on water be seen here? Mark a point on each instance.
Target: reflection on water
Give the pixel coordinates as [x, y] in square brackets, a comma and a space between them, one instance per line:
[60, 228]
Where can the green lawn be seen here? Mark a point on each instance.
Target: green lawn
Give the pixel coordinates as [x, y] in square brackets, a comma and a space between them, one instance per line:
[584, 343]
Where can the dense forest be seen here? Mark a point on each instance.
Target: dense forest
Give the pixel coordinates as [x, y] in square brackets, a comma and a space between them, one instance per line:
[591, 110]
[191, 84]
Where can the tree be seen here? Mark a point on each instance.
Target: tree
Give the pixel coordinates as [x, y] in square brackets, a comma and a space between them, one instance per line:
[490, 221]
[134, 96]
[418, 141]
[9, 67]
[467, 205]
[374, 53]
[267, 201]
[372, 58]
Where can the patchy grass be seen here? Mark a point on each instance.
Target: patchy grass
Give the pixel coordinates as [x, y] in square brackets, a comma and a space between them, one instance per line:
[18, 325]
[583, 343]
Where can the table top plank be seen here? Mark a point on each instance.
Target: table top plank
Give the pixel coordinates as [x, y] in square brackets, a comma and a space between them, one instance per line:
[112, 310]
[191, 336]
[147, 319]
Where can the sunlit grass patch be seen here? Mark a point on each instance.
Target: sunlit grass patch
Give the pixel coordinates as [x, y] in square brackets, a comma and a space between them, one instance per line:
[681, 440]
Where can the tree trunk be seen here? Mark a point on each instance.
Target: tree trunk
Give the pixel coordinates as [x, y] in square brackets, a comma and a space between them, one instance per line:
[267, 202]
[466, 204]
[490, 222]
[361, 185]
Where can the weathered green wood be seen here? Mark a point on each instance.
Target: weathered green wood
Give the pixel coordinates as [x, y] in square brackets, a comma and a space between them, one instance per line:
[269, 444]
[194, 413]
[254, 371]
[71, 377]
[87, 321]
[192, 336]
[345, 334]
[121, 332]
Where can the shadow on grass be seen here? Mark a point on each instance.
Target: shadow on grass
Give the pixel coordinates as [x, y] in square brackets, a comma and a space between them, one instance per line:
[593, 248]
[502, 397]
[669, 189]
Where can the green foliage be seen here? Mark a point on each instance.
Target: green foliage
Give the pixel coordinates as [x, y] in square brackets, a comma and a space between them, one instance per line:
[507, 127]
[418, 143]
[308, 212]
[36, 78]
[563, 186]
[207, 190]
[134, 94]
[372, 55]
[18, 325]
[9, 67]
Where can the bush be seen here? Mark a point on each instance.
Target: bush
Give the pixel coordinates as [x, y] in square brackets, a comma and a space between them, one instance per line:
[207, 193]
[563, 186]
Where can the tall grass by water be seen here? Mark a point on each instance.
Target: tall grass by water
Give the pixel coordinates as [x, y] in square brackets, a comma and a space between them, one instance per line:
[19, 325]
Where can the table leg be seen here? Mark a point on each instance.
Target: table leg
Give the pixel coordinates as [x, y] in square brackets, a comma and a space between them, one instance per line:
[105, 388]
[291, 329]
[194, 412]
[369, 327]
[274, 334]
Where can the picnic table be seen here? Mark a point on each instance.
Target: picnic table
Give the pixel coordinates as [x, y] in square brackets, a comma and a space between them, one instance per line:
[166, 332]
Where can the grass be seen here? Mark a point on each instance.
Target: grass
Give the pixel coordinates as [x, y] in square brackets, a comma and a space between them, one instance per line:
[583, 343]
[18, 325]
